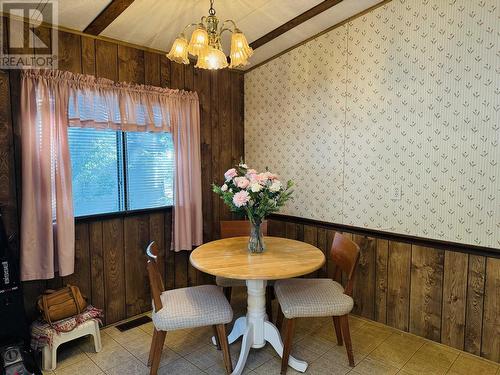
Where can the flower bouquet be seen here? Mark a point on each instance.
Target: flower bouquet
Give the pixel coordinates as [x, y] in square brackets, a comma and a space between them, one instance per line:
[256, 195]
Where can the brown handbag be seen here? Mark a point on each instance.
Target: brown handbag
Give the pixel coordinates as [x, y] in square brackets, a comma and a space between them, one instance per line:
[61, 304]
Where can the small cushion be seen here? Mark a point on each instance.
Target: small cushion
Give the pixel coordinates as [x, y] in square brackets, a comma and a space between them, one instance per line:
[197, 306]
[312, 298]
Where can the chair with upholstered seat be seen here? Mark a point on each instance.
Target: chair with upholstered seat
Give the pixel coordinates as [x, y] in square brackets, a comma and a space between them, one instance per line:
[237, 228]
[301, 298]
[183, 308]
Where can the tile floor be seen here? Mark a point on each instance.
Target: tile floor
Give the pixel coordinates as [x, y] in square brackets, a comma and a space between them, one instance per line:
[378, 350]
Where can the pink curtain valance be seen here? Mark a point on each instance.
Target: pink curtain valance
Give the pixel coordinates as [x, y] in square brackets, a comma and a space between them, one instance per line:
[51, 101]
[104, 104]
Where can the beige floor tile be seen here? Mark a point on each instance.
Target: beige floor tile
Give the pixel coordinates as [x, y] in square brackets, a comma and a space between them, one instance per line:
[180, 366]
[205, 357]
[132, 367]
[338, 355]
[397, 349]
[85, 367]
[184, 345]
[431, 358]
[110, 356]
[87, 343]
[257, 357]
[467, 364]
[167, 356]
[124, 337]
[370, 366]
[325, 366]
[316, 344]
[69, 354]
[273, 367]
[303, 353]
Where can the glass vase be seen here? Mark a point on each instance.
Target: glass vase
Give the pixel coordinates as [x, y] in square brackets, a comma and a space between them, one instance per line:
[256, 242]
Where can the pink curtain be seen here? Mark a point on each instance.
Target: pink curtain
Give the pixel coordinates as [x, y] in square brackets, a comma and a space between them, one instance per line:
[47, 225]
[52, 101]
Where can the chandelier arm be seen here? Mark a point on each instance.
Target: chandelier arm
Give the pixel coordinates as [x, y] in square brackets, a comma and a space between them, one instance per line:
[235, 28]
[225, 29]
[188, 26]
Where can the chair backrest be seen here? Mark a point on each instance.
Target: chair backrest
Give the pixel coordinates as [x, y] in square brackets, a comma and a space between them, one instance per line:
[155, 279]
[345, 257]
[237, 228]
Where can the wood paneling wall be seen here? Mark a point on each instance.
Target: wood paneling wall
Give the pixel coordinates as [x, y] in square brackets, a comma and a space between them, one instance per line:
[445, 296]
[110, 262]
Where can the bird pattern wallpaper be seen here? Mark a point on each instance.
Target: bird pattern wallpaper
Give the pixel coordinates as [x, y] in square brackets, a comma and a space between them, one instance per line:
[389, 122]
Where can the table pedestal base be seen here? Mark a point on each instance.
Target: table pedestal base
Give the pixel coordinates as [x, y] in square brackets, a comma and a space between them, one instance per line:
[256, 329]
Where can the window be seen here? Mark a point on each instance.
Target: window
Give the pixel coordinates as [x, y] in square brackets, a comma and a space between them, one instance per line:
[115, 171]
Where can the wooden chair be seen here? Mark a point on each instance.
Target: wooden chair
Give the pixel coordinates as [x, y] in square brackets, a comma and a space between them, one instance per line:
[299, 298]
[237, 228]
[198, 306]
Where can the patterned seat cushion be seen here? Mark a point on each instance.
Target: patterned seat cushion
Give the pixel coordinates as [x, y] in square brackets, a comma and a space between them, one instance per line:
[312, 298]
[197, 306]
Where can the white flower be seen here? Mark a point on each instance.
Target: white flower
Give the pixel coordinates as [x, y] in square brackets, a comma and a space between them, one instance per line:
[255, 187]
[243, 165]
[224, 187]
[276, 186]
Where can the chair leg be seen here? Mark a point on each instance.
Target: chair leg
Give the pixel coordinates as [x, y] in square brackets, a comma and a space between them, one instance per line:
[227, 292]
[289, 328]
[153, 346]
[279, 318]
[269, 302]
[216, 335]
[221, 330]
[338, 332]
[158, 348]
[344, 323]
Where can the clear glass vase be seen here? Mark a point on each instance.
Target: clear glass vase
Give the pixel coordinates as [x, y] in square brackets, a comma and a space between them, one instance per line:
[256, 242]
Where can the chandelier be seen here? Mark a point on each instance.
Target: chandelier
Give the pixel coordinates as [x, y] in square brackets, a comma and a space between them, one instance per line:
[205, 43]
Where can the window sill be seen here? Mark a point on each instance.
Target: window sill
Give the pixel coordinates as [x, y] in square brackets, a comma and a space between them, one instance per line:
[113, 215]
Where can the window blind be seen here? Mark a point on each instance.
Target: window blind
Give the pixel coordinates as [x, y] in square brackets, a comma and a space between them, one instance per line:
[104, 162]
[150, 169]
[96, 163]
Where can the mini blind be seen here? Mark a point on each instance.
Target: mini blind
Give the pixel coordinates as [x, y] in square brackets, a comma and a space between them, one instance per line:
[150, 169]
[96, 161]
[119, 171]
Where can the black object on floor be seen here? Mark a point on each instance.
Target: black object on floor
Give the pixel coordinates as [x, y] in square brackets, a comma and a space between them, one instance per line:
[133, 323]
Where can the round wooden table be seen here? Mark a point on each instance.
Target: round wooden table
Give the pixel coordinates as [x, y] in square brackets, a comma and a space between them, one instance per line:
[282, 259]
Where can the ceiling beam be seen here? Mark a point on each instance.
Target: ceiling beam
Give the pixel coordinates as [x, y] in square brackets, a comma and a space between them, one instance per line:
[301, 18]
[107, 16]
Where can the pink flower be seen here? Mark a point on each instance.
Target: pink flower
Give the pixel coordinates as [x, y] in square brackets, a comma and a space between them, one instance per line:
[241, 182]
[261, 178]
[271, 176]
[251, 171]
[241, 198]
[230, 174]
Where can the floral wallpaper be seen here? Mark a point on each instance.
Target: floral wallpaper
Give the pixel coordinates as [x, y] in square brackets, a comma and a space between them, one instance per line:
[390, 122]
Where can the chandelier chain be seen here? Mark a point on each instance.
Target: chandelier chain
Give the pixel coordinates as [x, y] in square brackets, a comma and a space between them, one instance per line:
[211, 11]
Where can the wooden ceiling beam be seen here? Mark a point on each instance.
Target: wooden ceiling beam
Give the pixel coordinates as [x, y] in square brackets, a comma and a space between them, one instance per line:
[301, 18]
[107, 16]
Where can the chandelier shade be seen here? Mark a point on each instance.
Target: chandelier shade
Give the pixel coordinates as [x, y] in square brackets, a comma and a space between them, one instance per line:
[179, 51]
[205, 44]
[211, 58]
[199, 41]
[240, 50]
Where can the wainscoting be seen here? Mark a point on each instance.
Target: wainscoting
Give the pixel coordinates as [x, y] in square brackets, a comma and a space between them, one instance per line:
[110, 265]
[443, 295]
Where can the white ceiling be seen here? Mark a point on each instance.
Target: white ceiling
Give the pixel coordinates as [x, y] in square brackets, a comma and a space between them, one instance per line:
[156, 23]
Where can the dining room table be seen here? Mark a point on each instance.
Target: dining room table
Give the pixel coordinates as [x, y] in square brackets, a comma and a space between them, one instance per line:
[282, 259]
